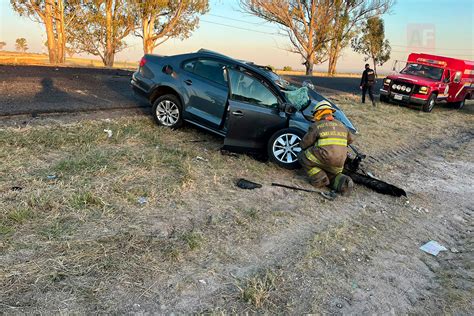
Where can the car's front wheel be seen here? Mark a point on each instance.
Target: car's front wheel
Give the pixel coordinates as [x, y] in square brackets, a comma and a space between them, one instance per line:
[167, 111]
[284, 146]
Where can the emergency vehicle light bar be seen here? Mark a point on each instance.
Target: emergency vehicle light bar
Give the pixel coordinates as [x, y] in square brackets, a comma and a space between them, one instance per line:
[431, 61]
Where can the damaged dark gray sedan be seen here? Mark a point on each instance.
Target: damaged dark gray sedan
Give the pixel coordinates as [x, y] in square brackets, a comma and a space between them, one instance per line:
[253, 108]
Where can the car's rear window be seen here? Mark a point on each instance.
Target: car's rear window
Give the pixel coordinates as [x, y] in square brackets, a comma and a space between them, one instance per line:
[207, 68]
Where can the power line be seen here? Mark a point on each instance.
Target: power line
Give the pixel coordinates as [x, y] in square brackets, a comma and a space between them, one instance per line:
[282, 35]
[460, 55]
[406, 46]
[237, 20]
[242, 28]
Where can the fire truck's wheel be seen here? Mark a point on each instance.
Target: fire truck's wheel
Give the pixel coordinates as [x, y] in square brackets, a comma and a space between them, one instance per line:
[384, 98]
[459, 105]
[429, 105]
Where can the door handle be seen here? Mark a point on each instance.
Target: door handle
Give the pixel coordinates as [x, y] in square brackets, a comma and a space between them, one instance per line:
[188, 82]
[238, 113]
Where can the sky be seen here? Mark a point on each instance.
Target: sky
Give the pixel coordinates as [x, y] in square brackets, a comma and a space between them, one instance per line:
[442, 27]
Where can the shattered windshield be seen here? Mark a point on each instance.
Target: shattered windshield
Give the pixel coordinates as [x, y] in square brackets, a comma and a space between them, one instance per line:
[297, 96]
[425, 71]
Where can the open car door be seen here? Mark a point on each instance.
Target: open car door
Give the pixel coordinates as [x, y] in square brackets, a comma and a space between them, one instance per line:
[253, 113]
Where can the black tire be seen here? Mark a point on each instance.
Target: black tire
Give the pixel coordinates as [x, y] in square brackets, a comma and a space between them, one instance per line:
[459, 105]
[168, 111]
[284, 140]
[384, 99]
[429, 105]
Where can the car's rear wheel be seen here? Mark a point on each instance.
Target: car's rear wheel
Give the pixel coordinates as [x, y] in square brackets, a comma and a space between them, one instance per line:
[167, 111]
[284, 146]
[429, 105]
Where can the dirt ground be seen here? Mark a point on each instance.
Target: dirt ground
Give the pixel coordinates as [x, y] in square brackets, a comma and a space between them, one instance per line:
[150, 221]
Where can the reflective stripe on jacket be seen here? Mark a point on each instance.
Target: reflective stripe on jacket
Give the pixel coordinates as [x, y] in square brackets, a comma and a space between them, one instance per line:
[327, 141]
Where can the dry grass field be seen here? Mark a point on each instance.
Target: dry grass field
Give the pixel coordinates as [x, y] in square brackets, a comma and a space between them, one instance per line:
[16, 58]
[150, 221]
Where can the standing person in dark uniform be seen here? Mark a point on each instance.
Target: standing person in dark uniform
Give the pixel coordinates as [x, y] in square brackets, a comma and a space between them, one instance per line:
[367, 83]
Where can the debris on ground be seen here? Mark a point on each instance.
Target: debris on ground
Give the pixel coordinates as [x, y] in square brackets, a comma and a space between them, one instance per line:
[196, 141]
[454, 250]
[228, 153]
[433, 248]
[142, 200]
[16, 188]
[378, 186]
[331, 195]
[109, 132]
[51, 176]
[247, 185]
[199, 158]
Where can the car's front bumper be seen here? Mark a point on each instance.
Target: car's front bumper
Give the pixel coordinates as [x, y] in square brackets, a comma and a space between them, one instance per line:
[408, 99]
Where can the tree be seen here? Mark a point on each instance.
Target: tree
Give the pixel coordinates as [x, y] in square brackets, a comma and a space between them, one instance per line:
[307, 23]
[287, 68]
[100, 27]
[160, 20]
[372, 42]
[349, 15]
[21, 45]
[51, 14]
[2, 45]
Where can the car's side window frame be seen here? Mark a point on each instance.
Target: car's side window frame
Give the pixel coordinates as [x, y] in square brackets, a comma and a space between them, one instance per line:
[259, 79]
[196, 59]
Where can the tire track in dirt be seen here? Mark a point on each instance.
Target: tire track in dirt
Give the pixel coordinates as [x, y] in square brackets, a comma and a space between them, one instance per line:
[456, 137]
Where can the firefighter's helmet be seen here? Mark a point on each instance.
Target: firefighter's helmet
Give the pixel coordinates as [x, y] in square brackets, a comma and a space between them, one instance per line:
[323, 105]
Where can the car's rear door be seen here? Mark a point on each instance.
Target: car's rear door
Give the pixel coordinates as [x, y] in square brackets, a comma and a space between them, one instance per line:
[206, 91]
[253, 113]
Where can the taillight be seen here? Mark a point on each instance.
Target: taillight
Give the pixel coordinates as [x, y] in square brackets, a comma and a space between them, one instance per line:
[142, 62]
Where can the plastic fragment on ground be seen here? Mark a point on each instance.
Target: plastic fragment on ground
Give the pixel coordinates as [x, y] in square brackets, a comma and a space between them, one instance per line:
[109, 132]
[298, 98]
[433, 248]
[142, 200]
[199, 158]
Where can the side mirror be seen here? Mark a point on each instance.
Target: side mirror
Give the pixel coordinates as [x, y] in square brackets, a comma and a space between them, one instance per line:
[308, 84]
[288, 108]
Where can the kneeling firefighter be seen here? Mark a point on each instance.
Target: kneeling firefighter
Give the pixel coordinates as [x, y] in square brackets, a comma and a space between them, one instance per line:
[325, 150]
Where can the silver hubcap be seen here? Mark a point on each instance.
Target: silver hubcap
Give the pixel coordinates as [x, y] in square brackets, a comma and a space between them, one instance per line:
[286, 148]
[432, 103]
[167, 113]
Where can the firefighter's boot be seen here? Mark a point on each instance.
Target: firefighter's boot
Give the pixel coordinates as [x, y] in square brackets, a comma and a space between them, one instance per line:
[343, 184]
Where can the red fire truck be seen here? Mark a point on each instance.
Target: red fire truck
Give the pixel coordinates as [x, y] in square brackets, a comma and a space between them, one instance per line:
[429, 79]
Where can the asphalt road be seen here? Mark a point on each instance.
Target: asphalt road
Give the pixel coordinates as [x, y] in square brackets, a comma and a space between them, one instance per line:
[340, 84]
[43, 89]
[39, 89]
